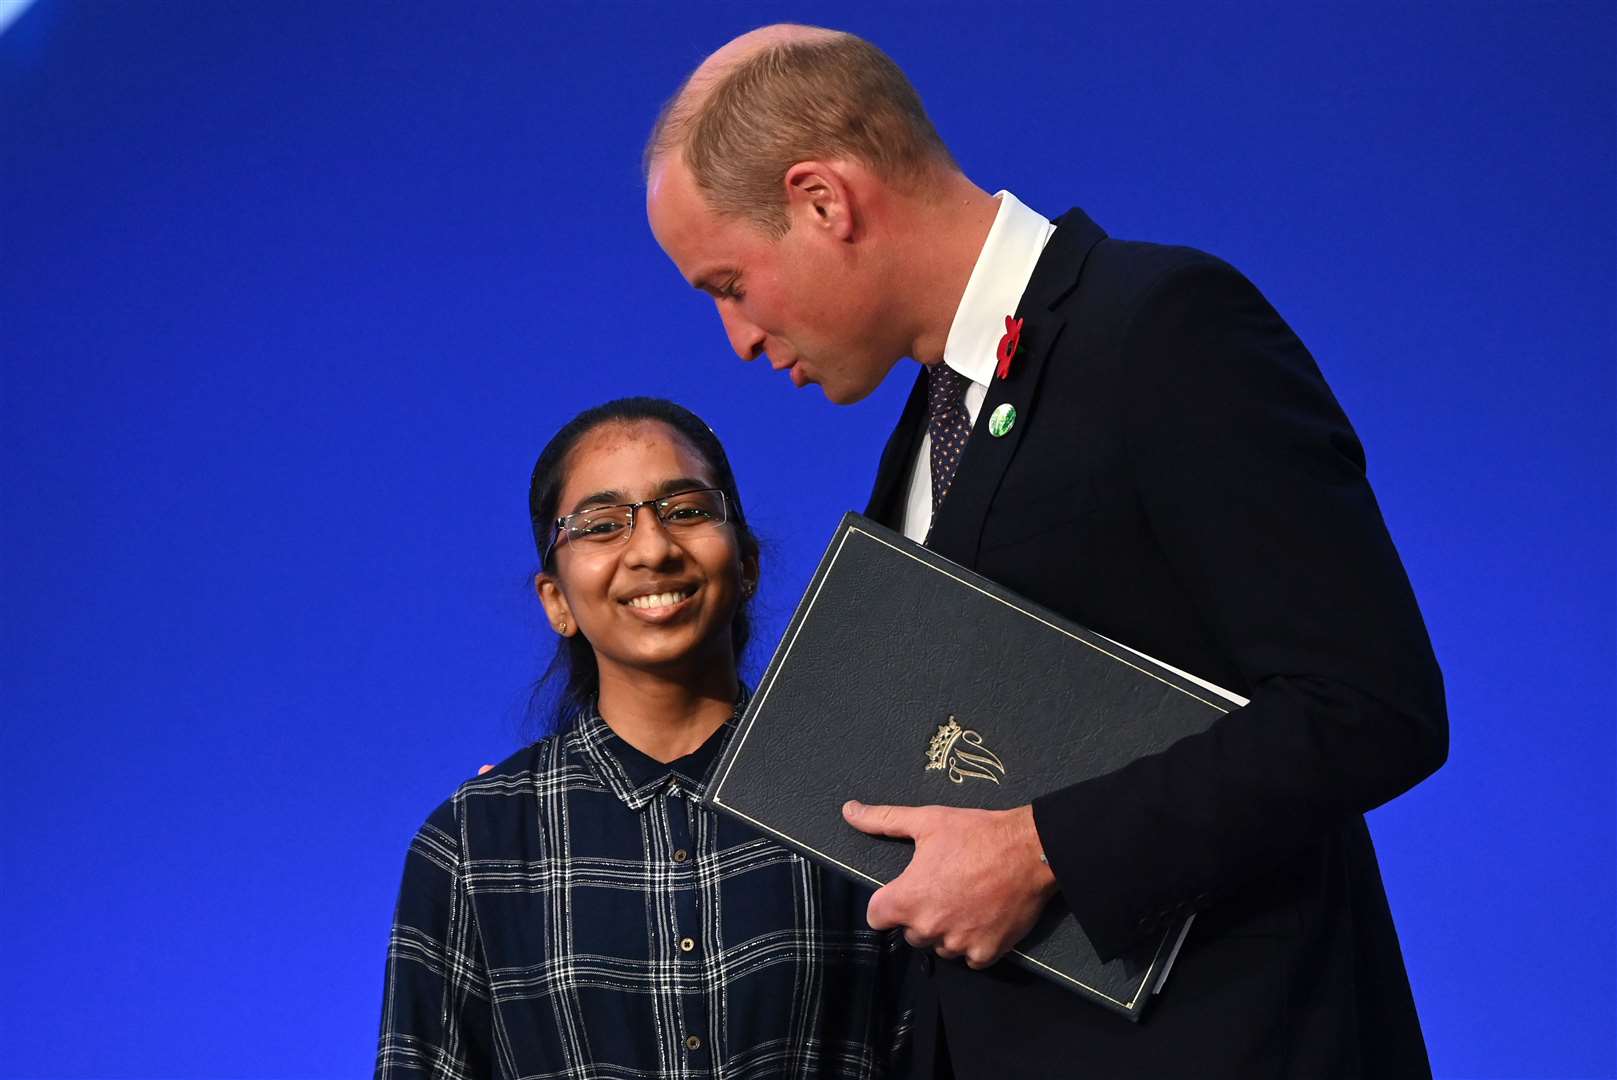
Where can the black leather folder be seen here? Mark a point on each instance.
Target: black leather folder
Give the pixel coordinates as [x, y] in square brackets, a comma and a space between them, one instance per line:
[905, 679]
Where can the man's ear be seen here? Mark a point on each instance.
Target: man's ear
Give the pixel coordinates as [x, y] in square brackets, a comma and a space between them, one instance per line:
[818, 195]
[555, 603]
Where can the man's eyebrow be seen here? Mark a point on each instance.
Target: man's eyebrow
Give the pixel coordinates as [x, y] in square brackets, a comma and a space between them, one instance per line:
[714, 280]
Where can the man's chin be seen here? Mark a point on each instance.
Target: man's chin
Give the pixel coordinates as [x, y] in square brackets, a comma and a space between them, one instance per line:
[842, 395]
[849, 393]
[836, 395]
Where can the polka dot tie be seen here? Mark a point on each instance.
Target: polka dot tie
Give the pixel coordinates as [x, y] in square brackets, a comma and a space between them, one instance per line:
[949, 425]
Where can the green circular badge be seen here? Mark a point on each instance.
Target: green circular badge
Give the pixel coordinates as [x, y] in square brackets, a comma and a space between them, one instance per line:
[1002, 420]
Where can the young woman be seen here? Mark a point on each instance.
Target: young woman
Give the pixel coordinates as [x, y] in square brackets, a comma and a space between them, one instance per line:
[574, 912]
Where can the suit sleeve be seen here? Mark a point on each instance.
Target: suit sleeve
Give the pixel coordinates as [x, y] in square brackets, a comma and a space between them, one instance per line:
[1253, 484]
[436, 1016]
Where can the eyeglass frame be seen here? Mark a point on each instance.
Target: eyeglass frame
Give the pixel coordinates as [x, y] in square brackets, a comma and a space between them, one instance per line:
[560, 528]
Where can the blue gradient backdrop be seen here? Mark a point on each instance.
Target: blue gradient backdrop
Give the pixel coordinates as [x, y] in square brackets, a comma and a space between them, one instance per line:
[291, 294]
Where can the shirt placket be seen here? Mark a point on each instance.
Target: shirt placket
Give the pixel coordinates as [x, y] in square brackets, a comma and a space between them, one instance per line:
[688, 943]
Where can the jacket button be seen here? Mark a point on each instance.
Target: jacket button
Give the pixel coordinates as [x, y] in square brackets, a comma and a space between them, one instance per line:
[686, 944]
[692, 1042]
[681, 855]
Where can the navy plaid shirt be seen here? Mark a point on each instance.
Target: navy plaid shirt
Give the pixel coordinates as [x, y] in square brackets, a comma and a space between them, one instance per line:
[575, 913]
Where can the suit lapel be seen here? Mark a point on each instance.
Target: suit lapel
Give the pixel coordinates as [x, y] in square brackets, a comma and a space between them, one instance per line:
[958, 527]
[888, 495]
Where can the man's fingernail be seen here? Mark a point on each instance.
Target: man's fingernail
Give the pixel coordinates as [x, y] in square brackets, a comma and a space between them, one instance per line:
[851, 807]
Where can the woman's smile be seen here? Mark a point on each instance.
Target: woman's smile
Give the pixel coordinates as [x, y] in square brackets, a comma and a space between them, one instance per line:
[662, 605]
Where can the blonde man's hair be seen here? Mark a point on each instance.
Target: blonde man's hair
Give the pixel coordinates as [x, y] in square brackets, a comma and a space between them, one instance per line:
[837, 97]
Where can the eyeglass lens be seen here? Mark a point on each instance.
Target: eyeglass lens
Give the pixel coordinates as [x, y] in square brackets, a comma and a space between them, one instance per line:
[682, 510]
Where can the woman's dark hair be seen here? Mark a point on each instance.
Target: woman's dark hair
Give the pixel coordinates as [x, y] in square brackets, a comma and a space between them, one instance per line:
[572, 669]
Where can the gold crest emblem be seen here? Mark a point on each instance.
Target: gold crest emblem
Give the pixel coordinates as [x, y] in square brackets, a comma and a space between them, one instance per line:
[961, 752]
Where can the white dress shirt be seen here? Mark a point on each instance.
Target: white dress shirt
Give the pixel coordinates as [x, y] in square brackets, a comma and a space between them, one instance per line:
[1000, 276]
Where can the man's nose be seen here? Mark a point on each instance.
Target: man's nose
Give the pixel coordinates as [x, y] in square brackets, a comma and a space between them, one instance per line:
[745, 338]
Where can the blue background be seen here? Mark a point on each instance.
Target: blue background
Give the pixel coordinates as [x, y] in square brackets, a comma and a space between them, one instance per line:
[291, 294]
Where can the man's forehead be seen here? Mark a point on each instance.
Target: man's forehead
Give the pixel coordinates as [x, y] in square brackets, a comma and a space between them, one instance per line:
[699, 241]
[660, 173]
[672, 203]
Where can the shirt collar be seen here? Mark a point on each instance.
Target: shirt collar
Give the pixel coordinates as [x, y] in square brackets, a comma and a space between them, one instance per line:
[635, 777]
[998, 280]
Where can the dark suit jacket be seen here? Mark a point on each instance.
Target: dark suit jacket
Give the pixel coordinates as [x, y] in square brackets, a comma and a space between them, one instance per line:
[1181, 479]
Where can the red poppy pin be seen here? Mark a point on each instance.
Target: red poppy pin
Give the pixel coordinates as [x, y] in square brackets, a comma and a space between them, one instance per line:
[1009, 344]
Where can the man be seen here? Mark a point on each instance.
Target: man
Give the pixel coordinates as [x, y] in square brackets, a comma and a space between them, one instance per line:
[1130, 435]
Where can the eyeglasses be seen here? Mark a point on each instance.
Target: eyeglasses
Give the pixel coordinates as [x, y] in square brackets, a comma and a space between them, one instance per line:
[681, 512]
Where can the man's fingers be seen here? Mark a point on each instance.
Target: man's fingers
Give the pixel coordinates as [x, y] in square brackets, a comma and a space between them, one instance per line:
[897, 821]
[483, 769]
[880, 913]
[917, 939]
[977, 960]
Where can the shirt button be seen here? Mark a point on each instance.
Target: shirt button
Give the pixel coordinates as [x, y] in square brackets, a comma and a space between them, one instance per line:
[686, 944]
[692, 1042]
[681, 855]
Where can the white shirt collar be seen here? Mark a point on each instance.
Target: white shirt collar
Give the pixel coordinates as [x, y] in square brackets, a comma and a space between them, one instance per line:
[1003, 269]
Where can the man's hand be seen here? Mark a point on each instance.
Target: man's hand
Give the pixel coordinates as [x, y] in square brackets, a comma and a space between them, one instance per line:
[975, 885]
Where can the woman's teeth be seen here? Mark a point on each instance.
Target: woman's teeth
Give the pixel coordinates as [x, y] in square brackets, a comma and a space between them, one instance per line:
[656, 600]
